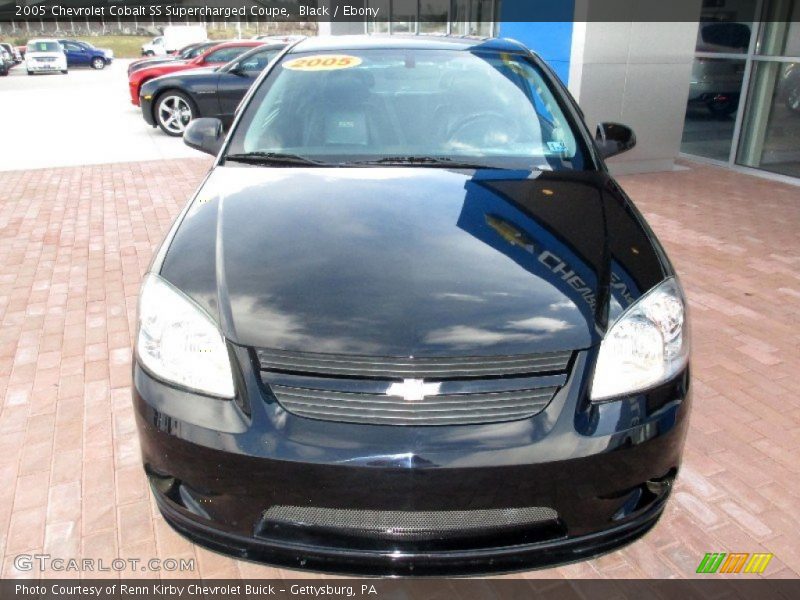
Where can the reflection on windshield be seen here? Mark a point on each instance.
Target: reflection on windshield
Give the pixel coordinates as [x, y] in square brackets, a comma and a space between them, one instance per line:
[418, 105]
[44, 47]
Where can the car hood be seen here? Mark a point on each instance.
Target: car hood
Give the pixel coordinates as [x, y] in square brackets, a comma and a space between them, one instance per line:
[405, 261]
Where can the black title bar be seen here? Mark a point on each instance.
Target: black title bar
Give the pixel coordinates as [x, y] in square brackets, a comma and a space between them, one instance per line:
[178, 11]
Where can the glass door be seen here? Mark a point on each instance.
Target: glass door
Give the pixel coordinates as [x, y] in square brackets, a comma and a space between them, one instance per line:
[770, 137]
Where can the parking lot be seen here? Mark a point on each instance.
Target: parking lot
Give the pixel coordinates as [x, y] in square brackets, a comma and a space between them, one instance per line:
[87, 117]
[78, 226]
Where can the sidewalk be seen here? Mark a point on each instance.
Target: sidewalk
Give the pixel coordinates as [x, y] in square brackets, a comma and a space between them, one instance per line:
[74, 243]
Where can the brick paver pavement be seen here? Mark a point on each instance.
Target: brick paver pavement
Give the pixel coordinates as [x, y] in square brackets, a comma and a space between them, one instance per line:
[75, 241]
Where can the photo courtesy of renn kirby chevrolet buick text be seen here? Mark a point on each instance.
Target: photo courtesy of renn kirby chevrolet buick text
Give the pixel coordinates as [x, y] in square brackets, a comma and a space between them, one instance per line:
[409, 324]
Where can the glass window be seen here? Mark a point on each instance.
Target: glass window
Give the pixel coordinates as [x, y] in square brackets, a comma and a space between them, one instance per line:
[714, 93]
[771, 129]
[780, 34]
[224, 55]
[381, 24]
[404, 16]
[726, 26]
[433, 15]
[44, 47]
[472, 17]
[257, 62]
[485, 108]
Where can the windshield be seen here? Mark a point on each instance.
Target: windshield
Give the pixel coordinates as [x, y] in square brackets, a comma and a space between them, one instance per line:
[44, 47]
[194, 50]
[403, 105]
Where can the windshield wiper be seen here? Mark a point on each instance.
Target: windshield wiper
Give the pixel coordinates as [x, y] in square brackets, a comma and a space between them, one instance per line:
[273, 158]
[423, 161]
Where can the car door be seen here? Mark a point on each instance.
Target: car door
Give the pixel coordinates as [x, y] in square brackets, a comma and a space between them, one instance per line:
[237, 79]
[76, 54]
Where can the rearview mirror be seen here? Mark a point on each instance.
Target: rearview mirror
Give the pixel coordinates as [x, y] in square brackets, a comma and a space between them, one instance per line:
[204, 135]
[614, 138]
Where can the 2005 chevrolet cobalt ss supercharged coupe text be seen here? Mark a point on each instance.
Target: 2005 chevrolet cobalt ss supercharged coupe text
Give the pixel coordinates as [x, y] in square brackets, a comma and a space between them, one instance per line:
[409, 324]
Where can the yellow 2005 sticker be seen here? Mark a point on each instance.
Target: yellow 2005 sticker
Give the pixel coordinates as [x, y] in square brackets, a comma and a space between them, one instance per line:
[323, 62]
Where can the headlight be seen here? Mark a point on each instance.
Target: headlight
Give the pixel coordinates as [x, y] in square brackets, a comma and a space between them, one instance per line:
[178, 342]
[646, 346]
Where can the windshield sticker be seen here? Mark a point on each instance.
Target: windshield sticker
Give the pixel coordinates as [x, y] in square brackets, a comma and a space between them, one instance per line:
[323, 62]
[557, 146]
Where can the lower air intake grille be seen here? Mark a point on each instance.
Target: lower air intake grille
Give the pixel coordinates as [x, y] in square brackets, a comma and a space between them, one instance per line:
[410, 524]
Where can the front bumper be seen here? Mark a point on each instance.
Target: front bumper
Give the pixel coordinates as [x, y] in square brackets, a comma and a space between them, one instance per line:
[146, 104]
[46, 67]
[605, 470]
[133, 89]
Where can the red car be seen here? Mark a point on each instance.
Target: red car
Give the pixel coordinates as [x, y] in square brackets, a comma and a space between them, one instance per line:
[214, 56]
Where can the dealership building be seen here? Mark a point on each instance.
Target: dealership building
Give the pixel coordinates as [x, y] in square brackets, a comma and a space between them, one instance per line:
[721, 85]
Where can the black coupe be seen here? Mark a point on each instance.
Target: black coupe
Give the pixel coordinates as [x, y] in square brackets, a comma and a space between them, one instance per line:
[409, 324]
[172, 101]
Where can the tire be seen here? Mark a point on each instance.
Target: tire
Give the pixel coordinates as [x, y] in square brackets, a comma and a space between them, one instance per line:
[98, 63]
[30, 72]
[64, 72]
[173, 111]
[3, 73]
[149, 53]
[723, 108]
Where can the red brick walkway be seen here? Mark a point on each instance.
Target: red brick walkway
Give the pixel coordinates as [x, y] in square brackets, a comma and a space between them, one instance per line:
[74, 243]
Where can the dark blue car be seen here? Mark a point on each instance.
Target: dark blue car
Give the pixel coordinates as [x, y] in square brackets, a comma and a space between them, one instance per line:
[83, 54]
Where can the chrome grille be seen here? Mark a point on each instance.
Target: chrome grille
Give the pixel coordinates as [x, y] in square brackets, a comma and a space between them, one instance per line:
[399, 368]
[407, 524]
[359, 389]
[448, 409]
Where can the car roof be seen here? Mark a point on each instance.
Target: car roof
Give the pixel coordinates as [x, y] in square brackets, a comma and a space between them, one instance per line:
[230, 43]
[430, 42]
[43, 40]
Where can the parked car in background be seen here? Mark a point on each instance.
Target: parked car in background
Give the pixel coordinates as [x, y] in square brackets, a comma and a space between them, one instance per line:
[186, 53]
[45, 56]
[213, 57]
[6, 62]
[84, 54]
[716, 84]
[13, 52]
[279, 38]
[175, 37]
[171, 102]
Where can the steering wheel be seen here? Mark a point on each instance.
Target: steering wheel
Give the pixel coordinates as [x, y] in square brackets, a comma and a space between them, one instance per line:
[482, 129]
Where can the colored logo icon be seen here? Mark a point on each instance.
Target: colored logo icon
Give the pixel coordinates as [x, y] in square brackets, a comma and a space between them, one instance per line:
[741, 562]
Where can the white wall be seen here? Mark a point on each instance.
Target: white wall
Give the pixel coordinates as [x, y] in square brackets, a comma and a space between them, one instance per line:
[636, 73]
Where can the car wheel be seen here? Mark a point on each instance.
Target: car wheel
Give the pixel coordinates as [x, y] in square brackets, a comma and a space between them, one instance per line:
[149, 53]
[723, 106]
[174, 111]
[64, 72]
[98, 63]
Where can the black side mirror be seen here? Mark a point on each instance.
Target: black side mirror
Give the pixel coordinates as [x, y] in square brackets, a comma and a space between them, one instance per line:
[614, 138]
[204, 135]
[241, 71]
